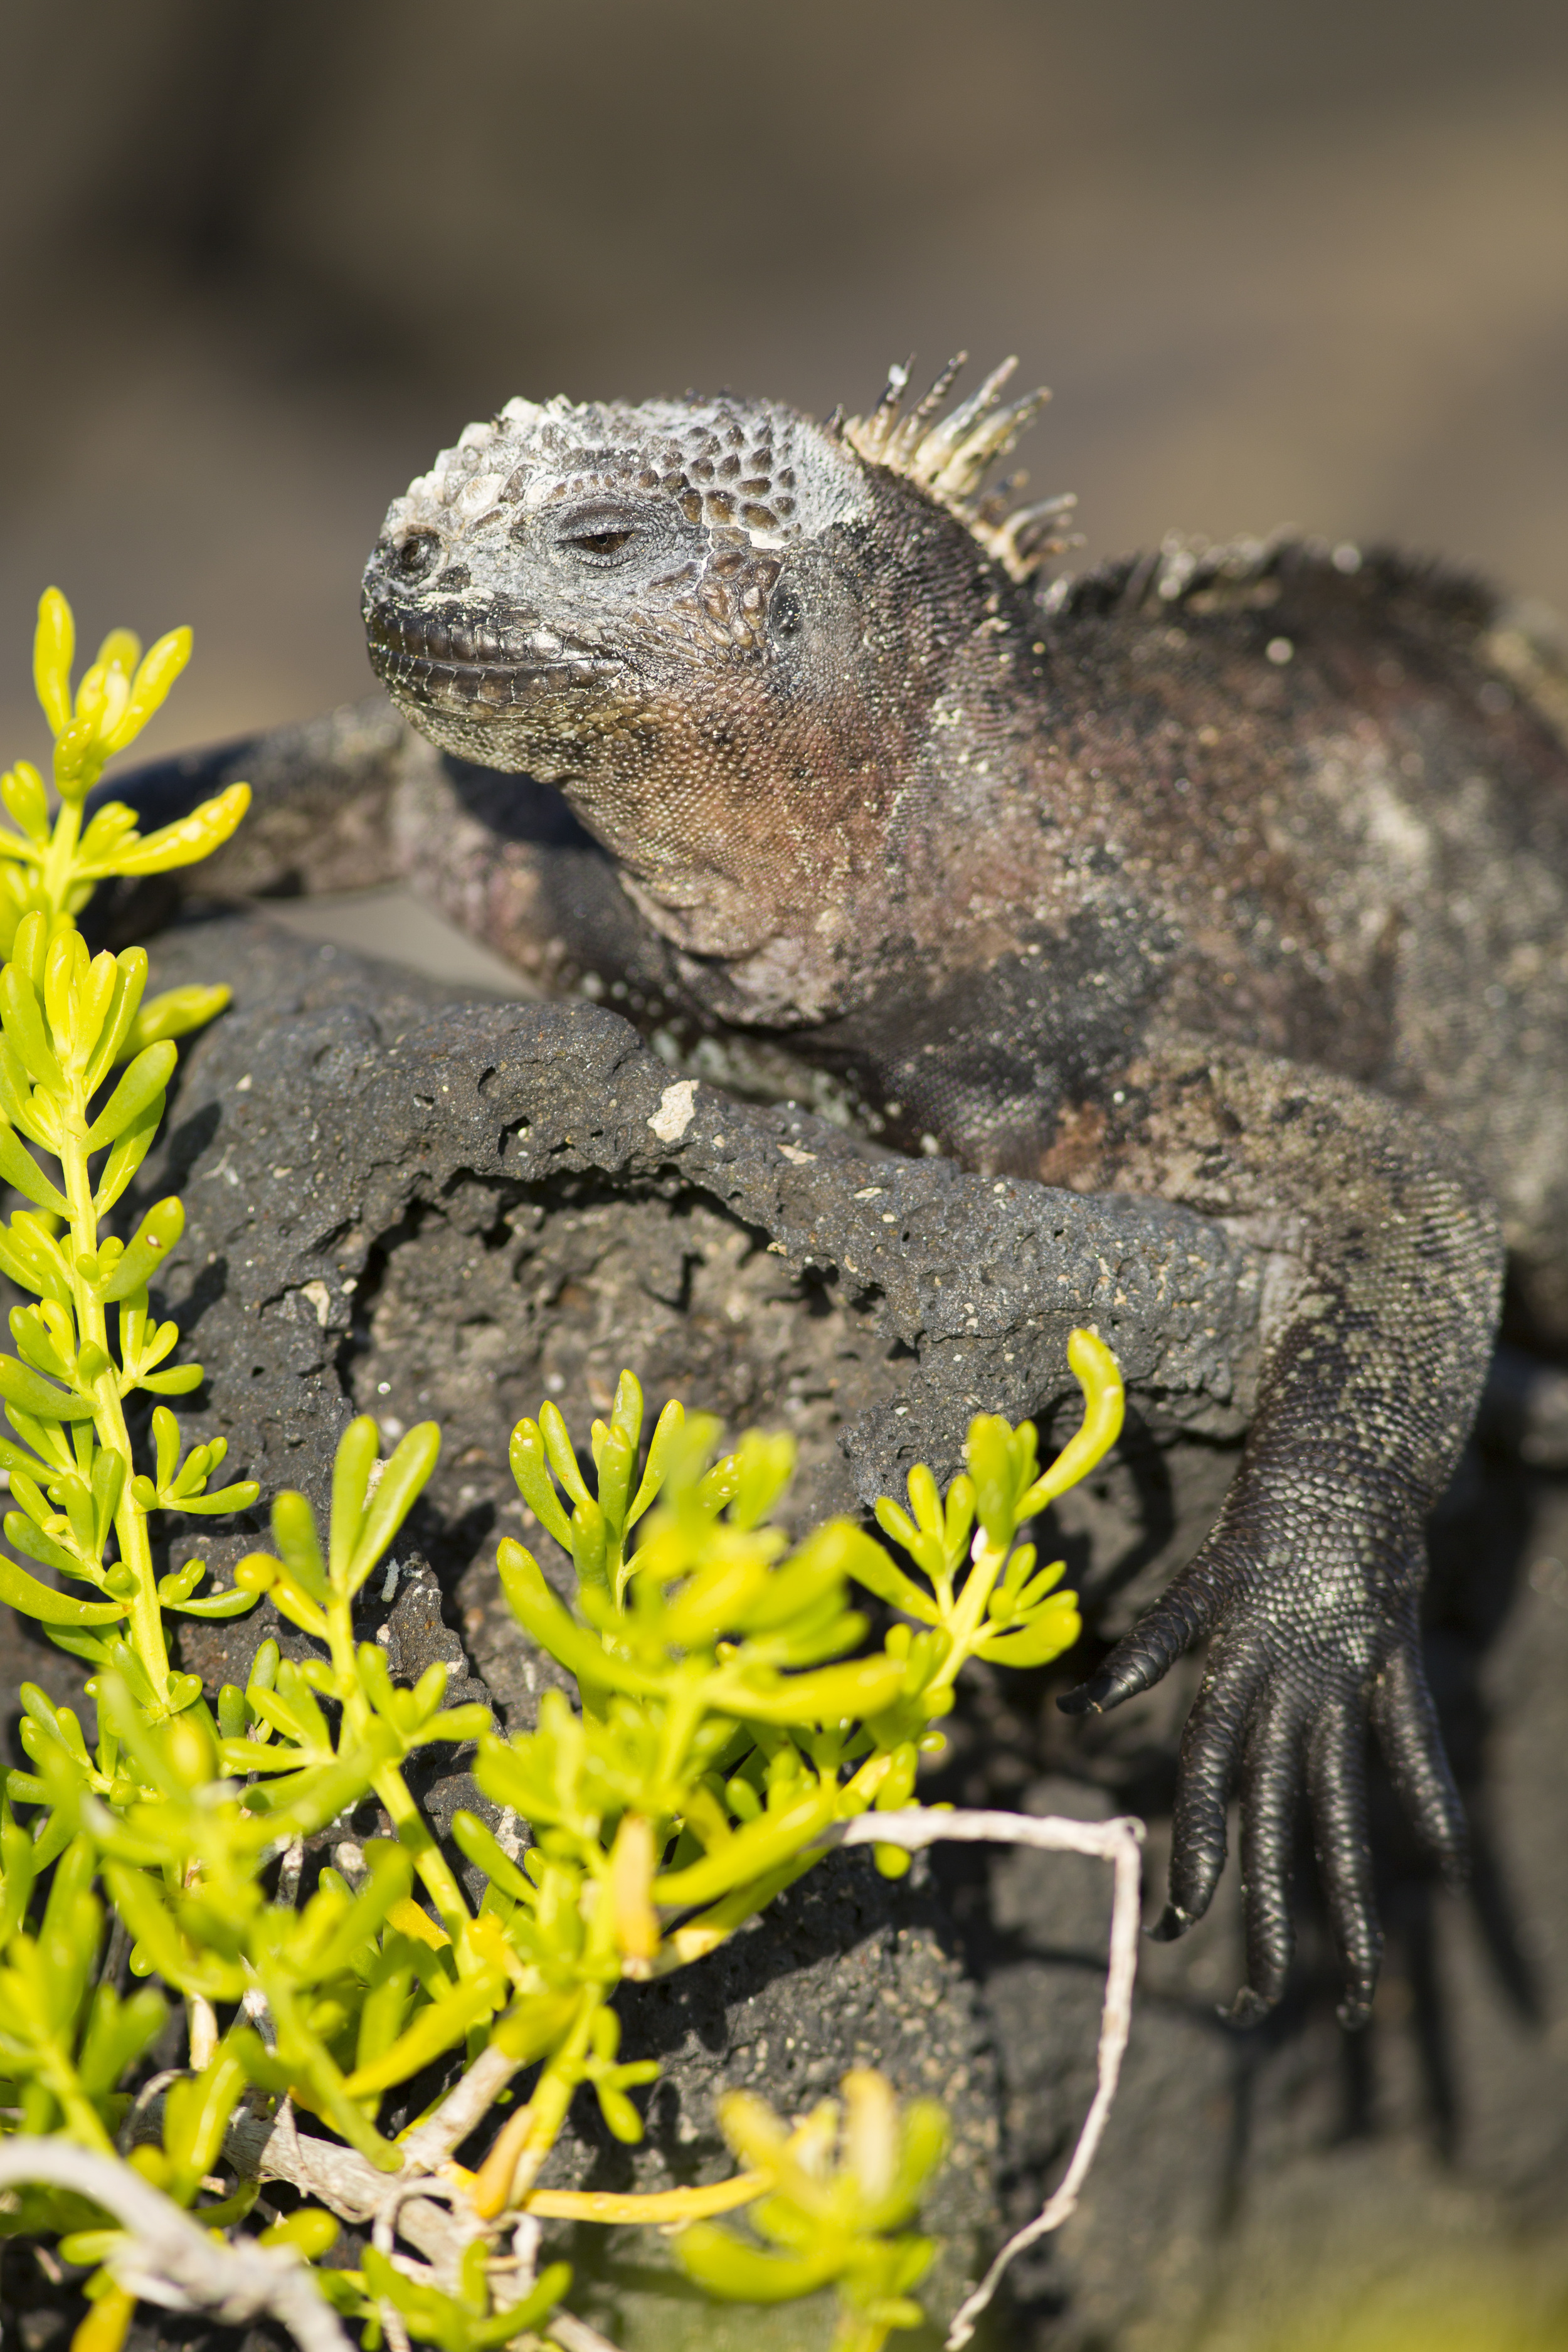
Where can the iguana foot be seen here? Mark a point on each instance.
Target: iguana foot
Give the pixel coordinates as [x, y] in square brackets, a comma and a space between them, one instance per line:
[1307, 1589]
[1309, 1640]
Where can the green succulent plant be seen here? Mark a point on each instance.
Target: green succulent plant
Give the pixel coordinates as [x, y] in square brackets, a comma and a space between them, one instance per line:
[840, 2189]
[731, 1711]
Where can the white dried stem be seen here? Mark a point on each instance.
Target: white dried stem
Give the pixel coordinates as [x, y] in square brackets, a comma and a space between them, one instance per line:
[168, 2259]
[524, 2257]
[391, 2325]
[466, 2226]
[288, 1871]
[258, 2013]
[263, 2148]
[272, 2148]
[1119, 1842]
[465, 2105]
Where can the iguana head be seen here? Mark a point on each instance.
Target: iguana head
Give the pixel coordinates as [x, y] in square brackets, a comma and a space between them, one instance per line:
[716, 624]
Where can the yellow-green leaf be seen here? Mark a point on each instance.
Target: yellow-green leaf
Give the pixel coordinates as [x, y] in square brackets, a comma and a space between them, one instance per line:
[54, 650]
[22, 1592]
[193, 837]
[142, 1084]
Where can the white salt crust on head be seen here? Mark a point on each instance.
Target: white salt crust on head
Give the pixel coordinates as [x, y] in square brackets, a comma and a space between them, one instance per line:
[750, 468]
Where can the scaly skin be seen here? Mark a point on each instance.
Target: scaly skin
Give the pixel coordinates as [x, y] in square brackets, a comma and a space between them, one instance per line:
[1242, 881]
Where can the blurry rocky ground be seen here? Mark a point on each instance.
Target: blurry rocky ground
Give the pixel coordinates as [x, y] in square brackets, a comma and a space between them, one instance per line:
[261, 257]
[410, 1201]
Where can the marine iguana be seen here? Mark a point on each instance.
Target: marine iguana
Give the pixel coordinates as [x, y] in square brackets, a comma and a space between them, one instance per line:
[1235, 877]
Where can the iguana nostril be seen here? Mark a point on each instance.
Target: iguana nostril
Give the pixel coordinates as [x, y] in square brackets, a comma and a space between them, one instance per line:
[417, 555]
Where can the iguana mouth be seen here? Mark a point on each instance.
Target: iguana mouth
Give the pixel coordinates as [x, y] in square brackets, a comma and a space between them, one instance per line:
[450, 657]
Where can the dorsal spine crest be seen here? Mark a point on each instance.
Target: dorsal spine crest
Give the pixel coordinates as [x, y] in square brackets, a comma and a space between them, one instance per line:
[949, 461]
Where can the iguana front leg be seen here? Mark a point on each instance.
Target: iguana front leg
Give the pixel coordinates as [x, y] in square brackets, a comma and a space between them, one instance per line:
[1308, 1586]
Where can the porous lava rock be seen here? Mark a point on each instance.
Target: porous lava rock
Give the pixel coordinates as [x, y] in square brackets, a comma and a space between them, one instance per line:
[422, 1208]
[403, 1202]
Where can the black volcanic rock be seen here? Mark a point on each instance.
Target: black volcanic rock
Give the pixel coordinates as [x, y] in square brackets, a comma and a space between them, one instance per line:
[418, 1207]
[405, 1203]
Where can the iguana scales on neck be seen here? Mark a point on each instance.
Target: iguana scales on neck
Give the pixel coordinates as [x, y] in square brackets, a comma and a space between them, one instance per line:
[1238, 879]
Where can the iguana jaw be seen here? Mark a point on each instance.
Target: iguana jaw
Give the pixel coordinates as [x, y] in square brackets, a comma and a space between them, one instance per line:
[503, 690]
[458, 658]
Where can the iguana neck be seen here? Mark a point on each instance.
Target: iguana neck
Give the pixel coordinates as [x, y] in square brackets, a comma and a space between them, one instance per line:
[789, 856]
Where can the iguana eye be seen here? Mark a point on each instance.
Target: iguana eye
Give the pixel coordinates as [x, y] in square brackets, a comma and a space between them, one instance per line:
[417, 555]
[783, 612]
[600, 542]
[600, 533]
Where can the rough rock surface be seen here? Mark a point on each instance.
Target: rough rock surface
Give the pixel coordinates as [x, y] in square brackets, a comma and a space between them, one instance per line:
[418, 1206]
[423, 1209]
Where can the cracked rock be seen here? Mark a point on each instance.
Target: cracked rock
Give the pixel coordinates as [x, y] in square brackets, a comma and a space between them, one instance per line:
[418, 1207]
[405, 1203]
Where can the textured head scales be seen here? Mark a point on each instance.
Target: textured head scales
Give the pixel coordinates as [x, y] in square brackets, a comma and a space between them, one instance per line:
[742, 468]
[713, 624]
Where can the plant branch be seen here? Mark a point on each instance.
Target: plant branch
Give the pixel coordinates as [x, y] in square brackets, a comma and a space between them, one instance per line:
[465, 2105]
[1119, 1842]
[168, 2259]
[273, 2148]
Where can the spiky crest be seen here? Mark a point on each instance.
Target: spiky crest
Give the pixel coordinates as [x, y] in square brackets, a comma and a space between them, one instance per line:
[949, 461]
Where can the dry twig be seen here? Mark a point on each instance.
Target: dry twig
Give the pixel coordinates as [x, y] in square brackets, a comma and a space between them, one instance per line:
[1119, 1842]
[263, 2148]
[167, 2258]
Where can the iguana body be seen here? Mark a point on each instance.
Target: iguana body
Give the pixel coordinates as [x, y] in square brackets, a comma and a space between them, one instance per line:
[1241, 882]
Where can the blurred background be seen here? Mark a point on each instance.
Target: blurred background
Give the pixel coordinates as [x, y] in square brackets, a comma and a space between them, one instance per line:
[262, 257]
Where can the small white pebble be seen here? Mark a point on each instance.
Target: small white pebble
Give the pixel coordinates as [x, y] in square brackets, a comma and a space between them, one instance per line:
[1280, 650]
[676, 1109]
[349, 1856]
